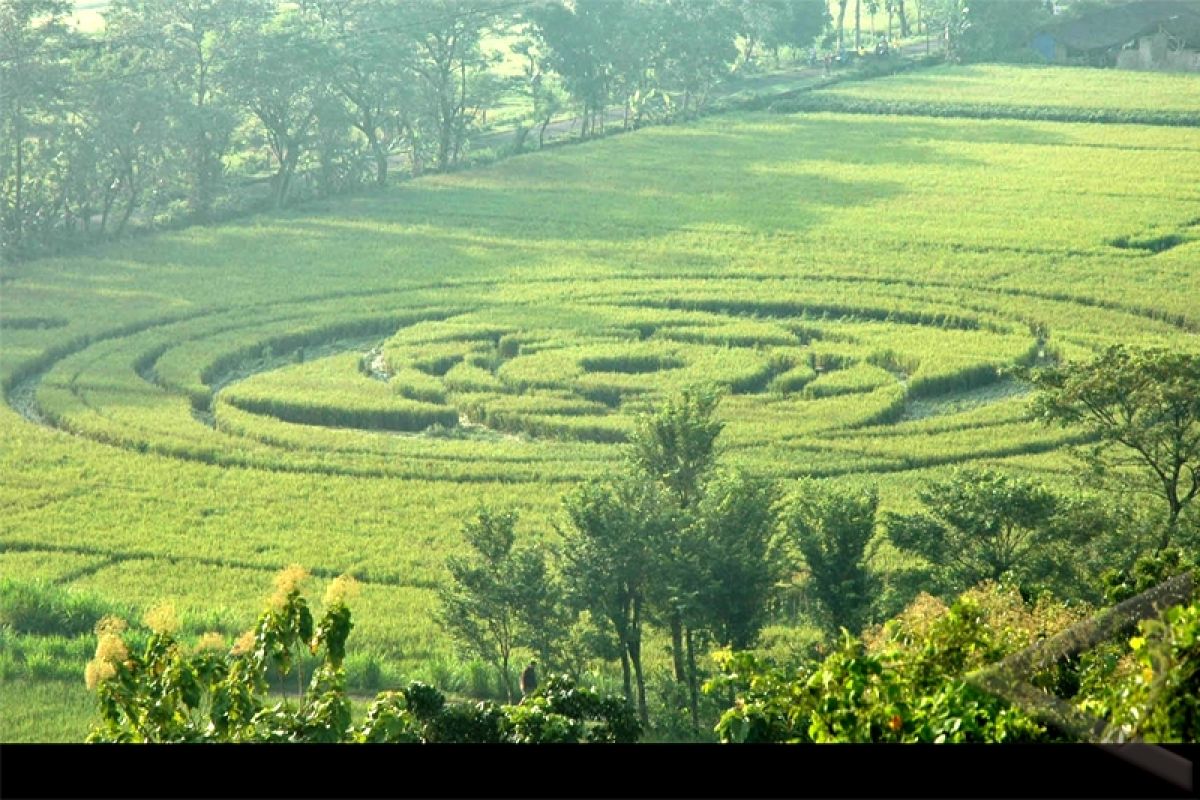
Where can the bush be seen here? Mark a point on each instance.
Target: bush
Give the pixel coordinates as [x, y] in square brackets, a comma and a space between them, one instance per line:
[164, 692]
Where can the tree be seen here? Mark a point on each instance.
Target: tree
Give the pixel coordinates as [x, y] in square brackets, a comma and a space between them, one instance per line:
[797, 23]
[279, 74]
[841, 23]
[578, 43]
[673, 450]
[711, 568]
[33, 77]
[501, 596]
[128, 132]
[444, 39]
[609, 552]
[188, 43]
[952, 18]
[981, 524]
[736, 522]
[676, 445]
[999, 28]
[368, 71]
[698, 49]
[832, 530]
[1142, 406]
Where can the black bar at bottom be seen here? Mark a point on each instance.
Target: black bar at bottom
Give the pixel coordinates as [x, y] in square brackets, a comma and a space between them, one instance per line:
[646, 770]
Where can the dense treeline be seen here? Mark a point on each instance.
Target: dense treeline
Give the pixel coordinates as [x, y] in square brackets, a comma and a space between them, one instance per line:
[167, 115]
[161, 114]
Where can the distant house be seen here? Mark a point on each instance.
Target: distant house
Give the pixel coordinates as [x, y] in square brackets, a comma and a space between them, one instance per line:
[1147, 35]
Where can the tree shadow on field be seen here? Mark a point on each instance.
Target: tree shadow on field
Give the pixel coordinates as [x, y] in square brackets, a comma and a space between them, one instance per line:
[755, 174]
[761, 174]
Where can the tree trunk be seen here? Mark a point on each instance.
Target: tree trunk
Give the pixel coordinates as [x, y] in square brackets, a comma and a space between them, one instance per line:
[18, 210]
[841, 21]
[381, 165]
[134, 194]
[627, 678]
[505, 678]
[693, 688]
[1172, 524]
[857, 25]
[110, 197]
[903, 19]
[677, 647]
[635, 655]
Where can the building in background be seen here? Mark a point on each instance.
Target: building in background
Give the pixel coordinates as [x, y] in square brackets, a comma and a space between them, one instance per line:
[1161, 35]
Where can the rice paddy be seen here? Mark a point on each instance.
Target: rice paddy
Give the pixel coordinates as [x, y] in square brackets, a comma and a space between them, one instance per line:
[341, 386]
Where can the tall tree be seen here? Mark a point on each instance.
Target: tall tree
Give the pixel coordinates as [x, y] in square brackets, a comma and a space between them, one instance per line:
[999, 28]
[609, 551]
[673, 451]
[698, 47]
[797, 23]
[187, 43]
[1143, 408]
[33, 76]
[367, 70]
[579, 42]
[857, 25]
[278, 72]
[444, 38]
[833, 529]
[500, 596]
[736, 521]
[126, 128]
[841, 24]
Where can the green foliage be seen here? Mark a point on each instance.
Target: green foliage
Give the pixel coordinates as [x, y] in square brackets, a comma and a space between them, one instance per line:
[983, 525]
[500, 597]
[1151, 689]
[997, 30]
[832, 530]
[1143, 405]
[905, 684]
[1147, 571]
[170, 693]
[734, 527]
[558, 713]
[675, 446]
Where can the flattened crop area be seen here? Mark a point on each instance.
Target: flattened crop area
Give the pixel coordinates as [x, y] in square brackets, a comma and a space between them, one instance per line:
[189, 412]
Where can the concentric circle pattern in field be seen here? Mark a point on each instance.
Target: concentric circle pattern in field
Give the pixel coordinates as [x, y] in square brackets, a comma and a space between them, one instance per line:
[821, 377]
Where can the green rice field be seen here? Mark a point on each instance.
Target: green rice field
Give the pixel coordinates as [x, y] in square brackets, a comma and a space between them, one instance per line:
[342, 386]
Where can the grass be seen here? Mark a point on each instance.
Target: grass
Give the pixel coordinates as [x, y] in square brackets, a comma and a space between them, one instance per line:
[537, 306]
[1032, 85]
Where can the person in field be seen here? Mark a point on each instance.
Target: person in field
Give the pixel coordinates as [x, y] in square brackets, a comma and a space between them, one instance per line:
[528, 680]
